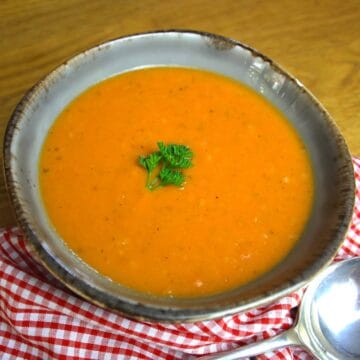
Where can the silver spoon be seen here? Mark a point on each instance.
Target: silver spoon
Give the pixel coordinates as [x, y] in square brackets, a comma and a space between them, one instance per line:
[328, 324]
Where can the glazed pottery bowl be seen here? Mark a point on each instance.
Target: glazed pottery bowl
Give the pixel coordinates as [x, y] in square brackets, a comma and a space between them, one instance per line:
[331, 162]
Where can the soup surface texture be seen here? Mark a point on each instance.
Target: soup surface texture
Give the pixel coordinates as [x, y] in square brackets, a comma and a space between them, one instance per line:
[244, 205]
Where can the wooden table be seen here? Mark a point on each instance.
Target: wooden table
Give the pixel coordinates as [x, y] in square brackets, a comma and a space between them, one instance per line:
[317, 41]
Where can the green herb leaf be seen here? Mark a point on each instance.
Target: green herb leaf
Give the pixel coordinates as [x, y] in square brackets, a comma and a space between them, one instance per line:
[171, 177]
[169, 160]
[178, 156]
[151, 161]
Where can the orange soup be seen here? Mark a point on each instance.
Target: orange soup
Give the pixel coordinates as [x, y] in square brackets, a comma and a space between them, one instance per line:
[243, 206]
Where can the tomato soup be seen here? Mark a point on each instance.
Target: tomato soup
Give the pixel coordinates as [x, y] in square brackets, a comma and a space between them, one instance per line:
[244, 203]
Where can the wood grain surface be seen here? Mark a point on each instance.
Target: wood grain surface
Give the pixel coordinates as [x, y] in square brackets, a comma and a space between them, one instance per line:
[318, 41]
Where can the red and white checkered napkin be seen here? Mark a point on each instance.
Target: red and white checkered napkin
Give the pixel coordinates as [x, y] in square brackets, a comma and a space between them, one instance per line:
[40, 319]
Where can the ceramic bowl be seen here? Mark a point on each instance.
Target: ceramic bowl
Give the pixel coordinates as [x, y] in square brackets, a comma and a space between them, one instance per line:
[333, 171]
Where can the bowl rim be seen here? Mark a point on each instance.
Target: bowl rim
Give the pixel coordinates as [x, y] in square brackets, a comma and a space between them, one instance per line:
[141, 311]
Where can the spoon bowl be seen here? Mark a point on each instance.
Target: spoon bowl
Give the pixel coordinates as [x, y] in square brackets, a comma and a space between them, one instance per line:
[328, 323]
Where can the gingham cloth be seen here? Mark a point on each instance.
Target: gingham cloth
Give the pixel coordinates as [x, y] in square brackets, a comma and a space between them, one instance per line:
[40, 319]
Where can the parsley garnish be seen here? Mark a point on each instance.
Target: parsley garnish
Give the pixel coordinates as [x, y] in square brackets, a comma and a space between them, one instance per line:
[169, 160]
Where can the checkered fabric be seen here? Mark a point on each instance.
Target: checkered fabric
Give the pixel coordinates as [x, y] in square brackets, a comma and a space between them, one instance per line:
[40, 319]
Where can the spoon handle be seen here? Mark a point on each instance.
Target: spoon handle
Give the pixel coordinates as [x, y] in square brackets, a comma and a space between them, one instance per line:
[286, 338]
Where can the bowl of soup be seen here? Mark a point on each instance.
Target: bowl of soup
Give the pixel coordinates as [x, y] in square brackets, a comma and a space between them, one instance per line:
[177, 176]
